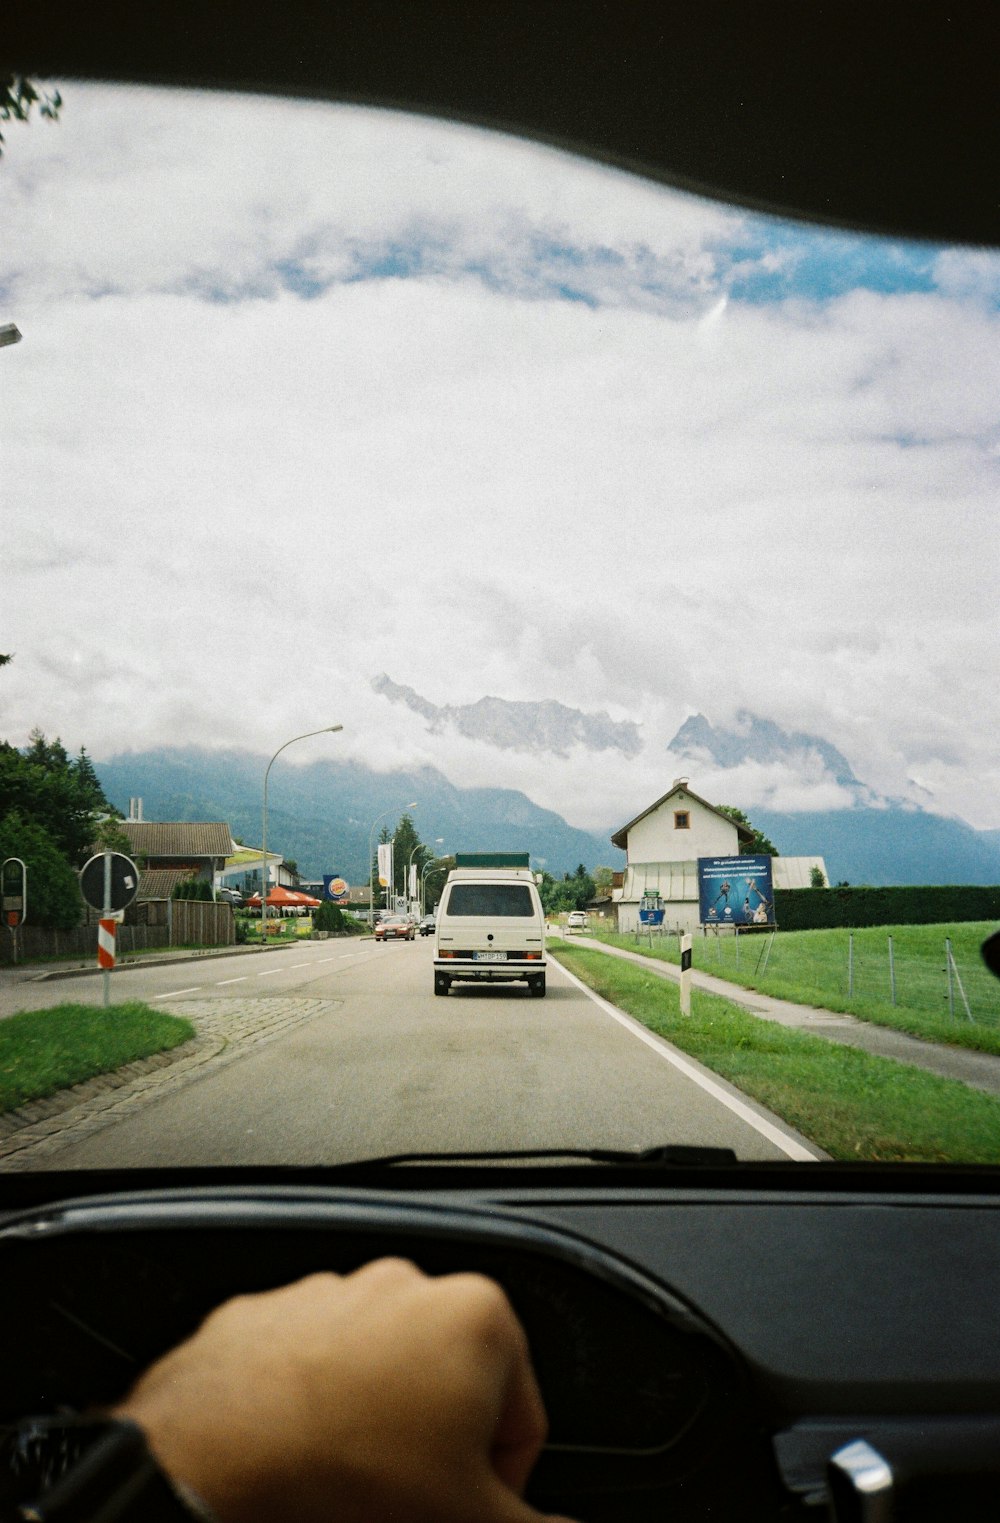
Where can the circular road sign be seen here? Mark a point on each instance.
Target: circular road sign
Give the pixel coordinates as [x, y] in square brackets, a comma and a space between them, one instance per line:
[124, 881]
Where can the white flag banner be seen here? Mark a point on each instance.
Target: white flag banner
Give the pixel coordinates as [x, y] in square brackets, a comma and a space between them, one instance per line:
[385, 863]
[413, 880]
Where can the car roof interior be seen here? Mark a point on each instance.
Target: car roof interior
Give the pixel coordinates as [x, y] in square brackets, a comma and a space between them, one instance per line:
[881, 117]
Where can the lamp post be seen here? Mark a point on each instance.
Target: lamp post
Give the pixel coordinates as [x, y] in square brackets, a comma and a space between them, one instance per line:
[330, 729]
[430, 868]
[371, 852]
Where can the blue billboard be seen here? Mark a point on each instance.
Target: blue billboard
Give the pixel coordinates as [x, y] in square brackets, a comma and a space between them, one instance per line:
[336, 888]
[735, 891]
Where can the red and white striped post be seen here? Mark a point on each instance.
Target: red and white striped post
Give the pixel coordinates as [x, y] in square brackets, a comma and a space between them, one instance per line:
[106, 944]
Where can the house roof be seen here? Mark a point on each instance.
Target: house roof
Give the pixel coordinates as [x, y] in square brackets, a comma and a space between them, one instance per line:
[161, 882]
[620, 837]
[178, 839]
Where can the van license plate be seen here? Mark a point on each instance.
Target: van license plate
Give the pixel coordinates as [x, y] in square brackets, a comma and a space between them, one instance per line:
[489, 956]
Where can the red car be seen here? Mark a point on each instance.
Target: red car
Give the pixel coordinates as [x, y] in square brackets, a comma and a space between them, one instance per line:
[394, 928]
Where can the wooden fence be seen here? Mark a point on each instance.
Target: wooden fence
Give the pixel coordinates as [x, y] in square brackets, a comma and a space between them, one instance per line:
[154, 923]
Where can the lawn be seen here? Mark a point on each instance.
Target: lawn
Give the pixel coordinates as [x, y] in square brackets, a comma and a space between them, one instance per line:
[851, 1104]
[42, 1051]
[824, 968]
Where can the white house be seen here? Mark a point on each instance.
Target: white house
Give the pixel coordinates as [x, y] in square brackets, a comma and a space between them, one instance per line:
[663, 844]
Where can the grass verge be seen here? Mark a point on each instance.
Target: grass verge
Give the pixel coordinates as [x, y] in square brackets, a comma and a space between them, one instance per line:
[851, 1104]
[810, 968]
[42, 1051]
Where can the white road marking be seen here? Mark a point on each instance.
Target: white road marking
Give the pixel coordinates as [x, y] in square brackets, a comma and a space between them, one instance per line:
[175, 992]
[272, 971]
[788, 1145]
[241, 980]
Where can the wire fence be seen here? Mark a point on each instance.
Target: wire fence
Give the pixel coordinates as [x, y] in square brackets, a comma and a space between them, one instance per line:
[934, 969]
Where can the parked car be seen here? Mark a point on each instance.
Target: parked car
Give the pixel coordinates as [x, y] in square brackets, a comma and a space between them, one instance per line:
[426, 926]
[395, 928]
[229, 896]
[576, 921]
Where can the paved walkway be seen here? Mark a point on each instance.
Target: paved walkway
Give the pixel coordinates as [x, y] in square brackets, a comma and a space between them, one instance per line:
[32, 1136]
[980, 1070]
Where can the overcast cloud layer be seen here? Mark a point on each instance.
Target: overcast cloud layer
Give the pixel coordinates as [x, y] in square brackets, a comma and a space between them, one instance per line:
[308, 393]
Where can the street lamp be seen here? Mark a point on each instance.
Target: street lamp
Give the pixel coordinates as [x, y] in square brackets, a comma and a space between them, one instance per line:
[371, 851]
[430, 868]
[330, 729]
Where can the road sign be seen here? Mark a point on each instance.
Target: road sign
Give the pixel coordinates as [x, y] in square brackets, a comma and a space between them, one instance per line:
[14, 892]
[112, 889]
[106, 944]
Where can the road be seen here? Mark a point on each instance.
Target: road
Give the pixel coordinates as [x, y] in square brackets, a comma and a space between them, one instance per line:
[372, 1063]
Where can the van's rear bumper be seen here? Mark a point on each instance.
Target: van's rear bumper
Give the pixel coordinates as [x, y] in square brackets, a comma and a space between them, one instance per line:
[467, 969]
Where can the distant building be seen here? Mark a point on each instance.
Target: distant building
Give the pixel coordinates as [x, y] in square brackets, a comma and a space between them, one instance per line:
[662, 847]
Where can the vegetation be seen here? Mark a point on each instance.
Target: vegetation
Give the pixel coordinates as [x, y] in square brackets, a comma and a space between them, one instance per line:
[574, 892]
[933, 904]
[53, 815]
[18, 96]
[851, 1104]
[761, 845]
[330, 917]
[825, 968]
[42, 1051]
[192, 888]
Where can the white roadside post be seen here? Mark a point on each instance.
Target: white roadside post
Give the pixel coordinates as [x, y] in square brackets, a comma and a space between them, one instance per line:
[686, 973]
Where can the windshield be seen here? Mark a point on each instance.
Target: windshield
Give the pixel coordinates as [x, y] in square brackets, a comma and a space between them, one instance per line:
[380, 492]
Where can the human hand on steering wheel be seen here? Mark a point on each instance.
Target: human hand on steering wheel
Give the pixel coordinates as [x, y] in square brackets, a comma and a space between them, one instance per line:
[380, 1394]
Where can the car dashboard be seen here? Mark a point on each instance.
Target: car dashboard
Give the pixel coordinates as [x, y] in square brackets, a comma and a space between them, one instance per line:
[704, 1350]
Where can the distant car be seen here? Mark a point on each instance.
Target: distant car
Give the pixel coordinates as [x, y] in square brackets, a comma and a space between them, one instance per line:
[426, 926]
[577, 921]
[229, 896]
[395, 928]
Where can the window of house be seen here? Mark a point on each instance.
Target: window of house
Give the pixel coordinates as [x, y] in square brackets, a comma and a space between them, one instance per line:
[682, 819]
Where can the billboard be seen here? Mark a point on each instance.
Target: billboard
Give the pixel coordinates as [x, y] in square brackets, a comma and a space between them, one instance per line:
[735, 891]
[336, 888]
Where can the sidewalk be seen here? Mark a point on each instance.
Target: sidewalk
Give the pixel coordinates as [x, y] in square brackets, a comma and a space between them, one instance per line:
[980, 1070]
[38, 972]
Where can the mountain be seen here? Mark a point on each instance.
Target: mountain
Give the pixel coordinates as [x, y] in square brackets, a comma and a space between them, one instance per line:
[876, 840]
[757, 740]
[321, 815]
[510, 726]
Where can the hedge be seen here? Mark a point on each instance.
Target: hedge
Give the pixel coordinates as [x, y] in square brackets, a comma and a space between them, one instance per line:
[812, 909]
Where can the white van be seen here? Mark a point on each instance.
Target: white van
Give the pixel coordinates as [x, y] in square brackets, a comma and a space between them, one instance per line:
[490, 928]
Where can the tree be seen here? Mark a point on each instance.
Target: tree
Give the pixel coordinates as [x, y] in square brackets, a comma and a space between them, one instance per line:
[17, 97]
[816, 878]
[760, 846]
[64, 796]
[53, 887]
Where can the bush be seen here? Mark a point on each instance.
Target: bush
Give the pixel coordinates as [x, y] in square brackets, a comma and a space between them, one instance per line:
[192, 888]
[329, 917]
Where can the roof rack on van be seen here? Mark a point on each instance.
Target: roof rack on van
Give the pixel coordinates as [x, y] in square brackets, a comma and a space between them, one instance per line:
[492, 859]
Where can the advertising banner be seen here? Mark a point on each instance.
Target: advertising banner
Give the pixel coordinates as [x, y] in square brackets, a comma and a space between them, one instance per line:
[735, 891]
[336, 888]
[385, 864]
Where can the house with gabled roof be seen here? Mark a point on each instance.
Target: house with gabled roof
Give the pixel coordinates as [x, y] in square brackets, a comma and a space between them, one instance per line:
[170, 851]
[663, 844]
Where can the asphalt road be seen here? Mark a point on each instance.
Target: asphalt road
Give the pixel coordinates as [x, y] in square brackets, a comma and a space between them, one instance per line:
[384, 1066]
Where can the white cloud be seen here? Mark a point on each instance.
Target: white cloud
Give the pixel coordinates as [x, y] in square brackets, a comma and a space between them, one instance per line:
[222, 517]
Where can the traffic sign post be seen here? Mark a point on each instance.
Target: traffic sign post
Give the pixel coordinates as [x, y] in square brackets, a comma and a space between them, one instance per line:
[14, 896]
[109, 882]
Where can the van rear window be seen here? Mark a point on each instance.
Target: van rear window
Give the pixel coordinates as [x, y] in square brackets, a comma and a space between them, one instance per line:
[491, 900]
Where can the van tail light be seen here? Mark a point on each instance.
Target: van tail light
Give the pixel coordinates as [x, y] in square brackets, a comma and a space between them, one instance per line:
[532, 956]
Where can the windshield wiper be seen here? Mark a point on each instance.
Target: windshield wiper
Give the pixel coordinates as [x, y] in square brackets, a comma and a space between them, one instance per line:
[671, 1155]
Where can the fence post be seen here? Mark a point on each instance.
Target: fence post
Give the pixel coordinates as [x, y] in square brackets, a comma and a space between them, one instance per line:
[958, 980]
[951, 986]
[850, 965]
[892, 973]
[737, 930]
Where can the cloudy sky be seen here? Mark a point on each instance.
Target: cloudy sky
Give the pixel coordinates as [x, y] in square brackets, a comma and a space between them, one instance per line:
[308, 393]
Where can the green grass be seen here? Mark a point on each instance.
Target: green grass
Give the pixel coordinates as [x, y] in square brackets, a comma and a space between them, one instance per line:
[42, 1051]
[811, 968]
[851, 1104]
